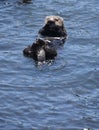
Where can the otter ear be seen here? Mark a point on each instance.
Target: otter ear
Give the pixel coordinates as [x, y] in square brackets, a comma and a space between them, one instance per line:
[60, 18]
[46, 17]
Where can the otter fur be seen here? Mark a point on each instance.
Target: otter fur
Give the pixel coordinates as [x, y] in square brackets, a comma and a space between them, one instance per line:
[53, 33]
[53, 29]
[40, 51]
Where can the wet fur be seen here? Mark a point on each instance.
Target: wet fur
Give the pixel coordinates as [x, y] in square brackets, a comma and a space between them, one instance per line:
[54, 27]
[53, 33]
[39, 47]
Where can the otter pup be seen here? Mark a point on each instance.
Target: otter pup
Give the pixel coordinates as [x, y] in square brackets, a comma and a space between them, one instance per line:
[53, 29]
[40, 51]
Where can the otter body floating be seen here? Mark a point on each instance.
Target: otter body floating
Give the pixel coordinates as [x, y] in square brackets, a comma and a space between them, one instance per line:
[51, 35]
[40, 51]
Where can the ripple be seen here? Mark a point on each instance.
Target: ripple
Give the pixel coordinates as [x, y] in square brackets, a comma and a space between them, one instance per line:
[62, 94]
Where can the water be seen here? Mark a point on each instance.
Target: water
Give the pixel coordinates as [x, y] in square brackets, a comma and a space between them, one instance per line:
[63, 95]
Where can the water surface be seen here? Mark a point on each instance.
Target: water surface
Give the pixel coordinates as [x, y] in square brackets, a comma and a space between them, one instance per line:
[62, 95]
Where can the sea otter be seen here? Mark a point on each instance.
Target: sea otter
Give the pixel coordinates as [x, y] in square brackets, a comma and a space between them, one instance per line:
[53, 30]
[40, 51]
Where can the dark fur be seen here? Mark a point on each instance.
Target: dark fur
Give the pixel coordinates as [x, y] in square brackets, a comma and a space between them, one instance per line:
[54, 32]
[54, 27]
[32, 51]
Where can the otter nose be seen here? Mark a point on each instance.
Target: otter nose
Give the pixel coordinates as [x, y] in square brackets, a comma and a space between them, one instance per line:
[51, 22]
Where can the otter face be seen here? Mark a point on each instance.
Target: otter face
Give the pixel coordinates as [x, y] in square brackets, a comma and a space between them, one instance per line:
[54, 23]
[57, 20]
[54, 27]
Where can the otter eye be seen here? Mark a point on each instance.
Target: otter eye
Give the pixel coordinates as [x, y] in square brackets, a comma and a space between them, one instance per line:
[56, 19]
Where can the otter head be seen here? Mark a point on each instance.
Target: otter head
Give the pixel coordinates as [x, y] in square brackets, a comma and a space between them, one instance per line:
[54, 27]
[53, 21]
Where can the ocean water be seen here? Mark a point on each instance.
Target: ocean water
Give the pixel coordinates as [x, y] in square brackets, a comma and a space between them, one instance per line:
[63, 95]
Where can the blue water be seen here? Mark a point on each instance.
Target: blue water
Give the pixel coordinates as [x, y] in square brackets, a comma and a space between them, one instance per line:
[63, 95]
